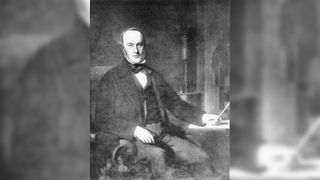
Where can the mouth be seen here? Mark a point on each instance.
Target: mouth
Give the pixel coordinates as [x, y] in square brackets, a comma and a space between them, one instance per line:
[136, 56]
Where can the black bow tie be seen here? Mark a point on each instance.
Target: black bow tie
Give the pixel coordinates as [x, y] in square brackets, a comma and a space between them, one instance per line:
[136, 68]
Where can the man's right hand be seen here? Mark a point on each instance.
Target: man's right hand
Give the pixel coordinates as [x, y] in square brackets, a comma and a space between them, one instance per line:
[143, 135]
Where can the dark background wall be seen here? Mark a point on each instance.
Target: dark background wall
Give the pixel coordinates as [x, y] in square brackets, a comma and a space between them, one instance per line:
[165, 23]
[206, 24]
[28, 25]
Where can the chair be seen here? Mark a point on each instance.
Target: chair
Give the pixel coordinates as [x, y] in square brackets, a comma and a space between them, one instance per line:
[125, 149]
[120, 164]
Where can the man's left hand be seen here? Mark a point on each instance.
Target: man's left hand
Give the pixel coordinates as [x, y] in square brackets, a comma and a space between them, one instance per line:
[211, 119]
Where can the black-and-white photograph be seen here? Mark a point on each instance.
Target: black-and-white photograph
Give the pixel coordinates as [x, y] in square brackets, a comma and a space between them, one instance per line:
[159, 89]
[143, 91]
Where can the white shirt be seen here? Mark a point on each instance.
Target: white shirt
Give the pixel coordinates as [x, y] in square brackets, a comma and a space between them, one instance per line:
[142, 78]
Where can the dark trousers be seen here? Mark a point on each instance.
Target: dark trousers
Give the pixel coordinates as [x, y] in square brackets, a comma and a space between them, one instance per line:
[173, 150]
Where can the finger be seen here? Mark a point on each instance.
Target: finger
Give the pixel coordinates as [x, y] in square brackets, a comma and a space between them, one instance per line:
[152, 140]
[216, 121]
[142, 140]
[146, 140]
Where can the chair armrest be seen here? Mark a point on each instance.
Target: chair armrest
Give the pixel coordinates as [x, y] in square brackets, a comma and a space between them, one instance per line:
[125, 151]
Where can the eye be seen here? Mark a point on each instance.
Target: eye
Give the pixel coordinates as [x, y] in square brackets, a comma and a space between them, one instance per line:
[130, 44]
[140, 44]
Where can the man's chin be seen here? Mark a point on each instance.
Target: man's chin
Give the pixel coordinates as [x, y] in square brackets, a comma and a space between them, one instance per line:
[136, 60]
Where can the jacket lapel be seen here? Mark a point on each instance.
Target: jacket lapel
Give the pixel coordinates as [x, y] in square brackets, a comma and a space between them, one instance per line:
[127, 87]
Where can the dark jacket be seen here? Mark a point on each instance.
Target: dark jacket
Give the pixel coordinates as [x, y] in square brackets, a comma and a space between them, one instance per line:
[119, 110]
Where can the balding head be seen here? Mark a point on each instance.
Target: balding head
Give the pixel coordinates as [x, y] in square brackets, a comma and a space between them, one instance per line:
[132, 29]
[133, 45]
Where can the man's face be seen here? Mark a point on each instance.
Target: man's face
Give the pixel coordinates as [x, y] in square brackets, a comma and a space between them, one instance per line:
[133, 47]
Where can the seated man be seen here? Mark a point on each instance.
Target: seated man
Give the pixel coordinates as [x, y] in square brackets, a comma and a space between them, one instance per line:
[131, 104]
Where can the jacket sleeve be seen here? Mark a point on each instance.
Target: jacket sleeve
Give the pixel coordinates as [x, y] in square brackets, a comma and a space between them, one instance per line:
[177, 107]
[110, 123]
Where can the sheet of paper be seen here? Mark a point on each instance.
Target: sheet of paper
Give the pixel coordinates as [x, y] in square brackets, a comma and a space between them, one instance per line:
[224, 125]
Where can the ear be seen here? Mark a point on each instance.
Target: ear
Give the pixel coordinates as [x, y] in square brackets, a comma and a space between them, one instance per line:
[120, 44]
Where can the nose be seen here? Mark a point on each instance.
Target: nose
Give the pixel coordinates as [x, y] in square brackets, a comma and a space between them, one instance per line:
[136, 50]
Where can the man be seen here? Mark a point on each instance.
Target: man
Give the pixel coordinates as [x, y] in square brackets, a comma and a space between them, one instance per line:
[132, 103]
[50, 109]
